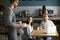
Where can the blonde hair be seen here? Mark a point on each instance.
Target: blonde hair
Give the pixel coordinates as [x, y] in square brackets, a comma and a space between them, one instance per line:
[45, 14]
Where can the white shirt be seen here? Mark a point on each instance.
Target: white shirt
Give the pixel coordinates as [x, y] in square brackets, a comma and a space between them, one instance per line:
[49, 26]
[29, 30]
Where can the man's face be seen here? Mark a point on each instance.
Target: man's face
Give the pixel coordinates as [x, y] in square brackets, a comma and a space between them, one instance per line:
[45, 17]
[15, 4]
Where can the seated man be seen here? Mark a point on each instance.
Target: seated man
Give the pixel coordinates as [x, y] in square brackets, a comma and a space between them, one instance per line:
[48, 25]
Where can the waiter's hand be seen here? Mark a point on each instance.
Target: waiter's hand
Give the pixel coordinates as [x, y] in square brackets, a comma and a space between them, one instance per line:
[19, 26]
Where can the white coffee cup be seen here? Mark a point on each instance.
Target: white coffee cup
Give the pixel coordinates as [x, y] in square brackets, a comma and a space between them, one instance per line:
[38, 28]
[24, 24]
[20, 22]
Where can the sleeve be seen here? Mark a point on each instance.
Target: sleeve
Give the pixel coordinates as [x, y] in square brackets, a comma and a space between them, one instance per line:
[54, 27]
[28, 31]
[31, 30]
[41, 25]
[9, 20]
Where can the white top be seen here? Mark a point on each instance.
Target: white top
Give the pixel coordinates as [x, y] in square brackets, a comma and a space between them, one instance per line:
[29, 30]
[49, 26]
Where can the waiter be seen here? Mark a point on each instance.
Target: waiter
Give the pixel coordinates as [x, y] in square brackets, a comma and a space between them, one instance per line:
[10, 20]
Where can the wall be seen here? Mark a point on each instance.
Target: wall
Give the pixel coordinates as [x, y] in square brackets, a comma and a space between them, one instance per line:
[39, 3]
[33, 9]
[33, 5]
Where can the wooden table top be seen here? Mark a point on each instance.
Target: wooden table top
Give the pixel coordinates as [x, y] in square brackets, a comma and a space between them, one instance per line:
[43, 33]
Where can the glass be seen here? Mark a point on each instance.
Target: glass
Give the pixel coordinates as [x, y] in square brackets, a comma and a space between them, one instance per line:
[38, 28]
[20, 22]
[24, 24]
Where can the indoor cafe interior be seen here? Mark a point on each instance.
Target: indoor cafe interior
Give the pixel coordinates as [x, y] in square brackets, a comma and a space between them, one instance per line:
[29, 19]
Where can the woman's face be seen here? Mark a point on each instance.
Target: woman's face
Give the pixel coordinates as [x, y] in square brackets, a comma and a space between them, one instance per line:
[30, 19]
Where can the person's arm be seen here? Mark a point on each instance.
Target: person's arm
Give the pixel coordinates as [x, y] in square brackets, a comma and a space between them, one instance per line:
[31, 30]
[9, 20]
[41, 25]
[54, 27]
[28, 30]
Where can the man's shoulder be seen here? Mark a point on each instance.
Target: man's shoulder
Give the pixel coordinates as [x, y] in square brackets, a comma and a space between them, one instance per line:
[8, 8]
[50, 21]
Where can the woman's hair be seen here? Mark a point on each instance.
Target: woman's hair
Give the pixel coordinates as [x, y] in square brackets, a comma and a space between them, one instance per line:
[28, 21]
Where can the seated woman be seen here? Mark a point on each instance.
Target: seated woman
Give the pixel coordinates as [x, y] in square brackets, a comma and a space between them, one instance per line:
[48, 25]
[29, 27]
[26, 32]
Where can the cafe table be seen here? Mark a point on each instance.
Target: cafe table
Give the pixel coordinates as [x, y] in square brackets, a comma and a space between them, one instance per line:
[44, 33]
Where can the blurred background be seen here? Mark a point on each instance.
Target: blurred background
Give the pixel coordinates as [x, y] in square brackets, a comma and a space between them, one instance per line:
[33, 8]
